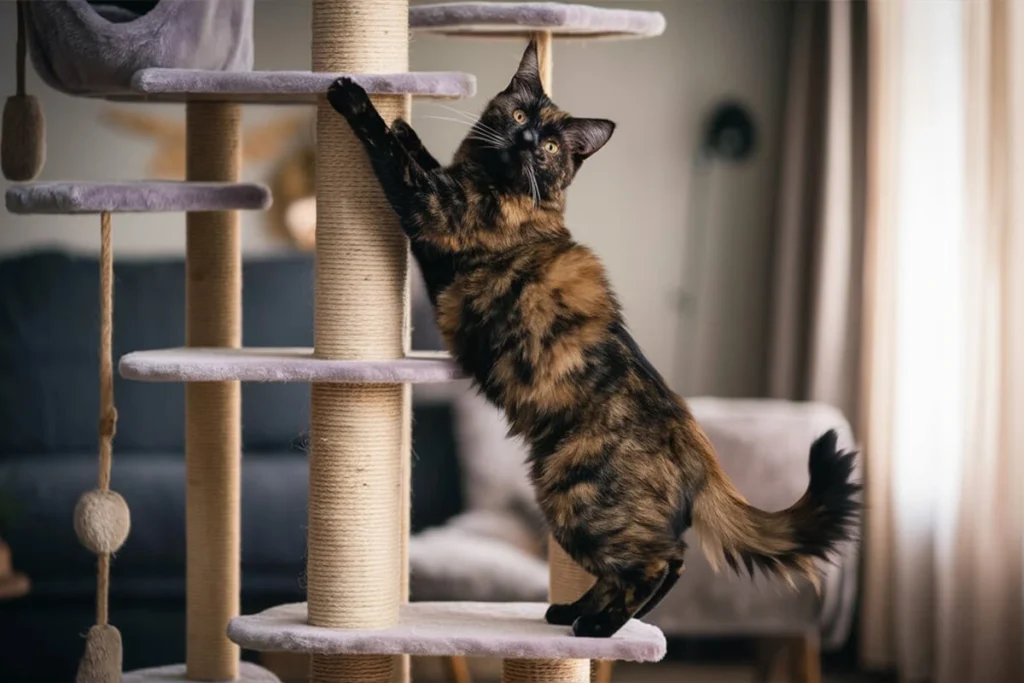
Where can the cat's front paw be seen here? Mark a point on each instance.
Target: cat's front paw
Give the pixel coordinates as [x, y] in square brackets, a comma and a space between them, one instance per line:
[348, 98]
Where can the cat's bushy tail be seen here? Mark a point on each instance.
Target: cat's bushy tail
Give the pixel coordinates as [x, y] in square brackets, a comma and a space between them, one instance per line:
[788, 541]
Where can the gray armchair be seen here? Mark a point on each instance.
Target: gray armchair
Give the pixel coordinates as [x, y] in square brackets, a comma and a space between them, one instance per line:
[763, 445]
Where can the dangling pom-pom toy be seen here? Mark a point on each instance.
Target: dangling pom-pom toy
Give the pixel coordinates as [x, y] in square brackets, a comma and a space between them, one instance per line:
[102, 660]
[23, 139]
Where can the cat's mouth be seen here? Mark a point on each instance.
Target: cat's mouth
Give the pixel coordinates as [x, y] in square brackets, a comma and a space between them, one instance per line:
[518, 166]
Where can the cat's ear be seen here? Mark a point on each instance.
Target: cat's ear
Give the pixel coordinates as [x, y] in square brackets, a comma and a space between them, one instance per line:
[587, 136]
[527, 76]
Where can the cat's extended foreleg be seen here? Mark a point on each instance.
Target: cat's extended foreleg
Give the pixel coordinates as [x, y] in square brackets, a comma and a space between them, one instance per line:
[408, 138]
[396, 170]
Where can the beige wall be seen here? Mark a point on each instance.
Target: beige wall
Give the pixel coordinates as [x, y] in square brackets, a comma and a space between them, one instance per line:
[630, 203]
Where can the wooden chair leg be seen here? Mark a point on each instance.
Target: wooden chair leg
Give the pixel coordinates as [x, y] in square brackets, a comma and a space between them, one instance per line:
[601, 670]
[805, 659]
[771, 661]
[458, 670]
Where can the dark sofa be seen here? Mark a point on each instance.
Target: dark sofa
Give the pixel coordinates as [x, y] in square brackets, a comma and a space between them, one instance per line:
[48, 413]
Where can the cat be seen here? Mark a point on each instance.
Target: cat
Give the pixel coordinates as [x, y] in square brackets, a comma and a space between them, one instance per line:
[620, 467]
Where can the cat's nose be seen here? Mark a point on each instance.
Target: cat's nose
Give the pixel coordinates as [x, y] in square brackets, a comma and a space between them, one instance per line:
[528, 139]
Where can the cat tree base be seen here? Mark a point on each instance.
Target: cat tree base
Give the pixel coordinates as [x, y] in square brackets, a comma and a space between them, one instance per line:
[471, 629]
[175, 673]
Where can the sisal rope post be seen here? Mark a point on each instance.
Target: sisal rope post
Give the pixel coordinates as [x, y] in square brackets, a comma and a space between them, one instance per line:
[358, 479]
[213, 292]
[101, 516]
[566, 581]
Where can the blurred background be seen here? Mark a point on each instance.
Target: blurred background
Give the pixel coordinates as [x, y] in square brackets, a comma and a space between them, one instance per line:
[810, 213]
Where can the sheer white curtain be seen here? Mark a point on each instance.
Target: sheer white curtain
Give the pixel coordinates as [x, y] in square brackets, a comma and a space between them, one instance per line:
[943, 409]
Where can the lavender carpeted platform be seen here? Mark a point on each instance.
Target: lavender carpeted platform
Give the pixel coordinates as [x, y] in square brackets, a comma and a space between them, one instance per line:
[563, 20]
[280, 365]
[175, 673]
[290, 86]
[476, 629]
[134, 197]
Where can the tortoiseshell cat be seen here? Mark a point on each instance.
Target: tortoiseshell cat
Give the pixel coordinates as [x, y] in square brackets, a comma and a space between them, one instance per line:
[620, 467]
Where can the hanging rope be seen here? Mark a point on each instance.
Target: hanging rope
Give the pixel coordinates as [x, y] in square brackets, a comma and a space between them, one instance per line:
[20, 52]
[108, 413]
[102, 521]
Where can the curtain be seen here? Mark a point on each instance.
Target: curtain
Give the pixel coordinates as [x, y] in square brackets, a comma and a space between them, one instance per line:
[818, 247]
[942, 418]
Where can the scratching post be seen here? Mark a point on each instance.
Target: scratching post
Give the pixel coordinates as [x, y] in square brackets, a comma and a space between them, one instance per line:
[212, 409]
[357, 433]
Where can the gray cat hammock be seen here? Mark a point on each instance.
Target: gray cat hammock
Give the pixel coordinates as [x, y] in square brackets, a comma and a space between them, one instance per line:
[94, 48]
[357, 624]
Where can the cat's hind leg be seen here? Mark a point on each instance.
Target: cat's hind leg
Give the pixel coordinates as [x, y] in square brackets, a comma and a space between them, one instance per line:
[591, 602]
[636, 588]
[675, 570]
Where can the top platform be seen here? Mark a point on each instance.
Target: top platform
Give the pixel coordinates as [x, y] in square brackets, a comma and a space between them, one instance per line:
[285, 87]
[512, 19]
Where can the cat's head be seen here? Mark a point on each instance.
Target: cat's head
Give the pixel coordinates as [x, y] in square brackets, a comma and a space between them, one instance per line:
[525, 143]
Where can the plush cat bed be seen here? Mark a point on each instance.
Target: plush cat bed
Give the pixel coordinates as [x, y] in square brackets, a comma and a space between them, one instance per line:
[94, 48]
[134, 197]
[563, 20]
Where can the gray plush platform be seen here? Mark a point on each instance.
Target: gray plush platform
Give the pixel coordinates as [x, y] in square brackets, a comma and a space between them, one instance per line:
[509, 18]
[175, 673]
[295, 87]
[280, 365]
[475, 629]
[134, 197]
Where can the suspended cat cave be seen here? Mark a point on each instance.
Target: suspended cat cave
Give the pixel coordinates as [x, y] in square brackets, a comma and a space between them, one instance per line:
[358, 624]
[84, 47]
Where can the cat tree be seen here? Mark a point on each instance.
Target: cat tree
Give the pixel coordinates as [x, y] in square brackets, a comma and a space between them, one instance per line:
[357, 623]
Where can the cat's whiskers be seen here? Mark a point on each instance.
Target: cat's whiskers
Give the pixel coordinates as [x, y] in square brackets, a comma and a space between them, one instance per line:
[465, 114]
[479, 133]
[471, 118]
[531, 176]
[488, 144]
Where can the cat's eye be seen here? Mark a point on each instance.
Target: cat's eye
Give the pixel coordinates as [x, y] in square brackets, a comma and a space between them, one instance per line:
[550, 146]
[519, 115]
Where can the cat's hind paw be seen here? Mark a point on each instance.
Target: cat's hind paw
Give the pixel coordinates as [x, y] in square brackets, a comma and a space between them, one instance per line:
[561, 615]
[600, 625]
